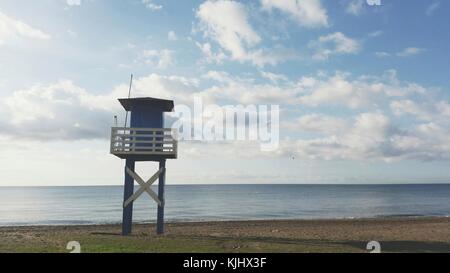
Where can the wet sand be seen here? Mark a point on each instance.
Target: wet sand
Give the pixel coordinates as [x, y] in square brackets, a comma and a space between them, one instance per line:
[394, 235]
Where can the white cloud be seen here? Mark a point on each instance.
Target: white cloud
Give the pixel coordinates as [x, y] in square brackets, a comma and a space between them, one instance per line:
[444, 108]
[368, 134]
[274, 78]
[355, 7]
[410, 51]
[227, 23]
[372, 125]
[361, 92]
[318, 123]
[219, 76]
[211, 57]
[435, 142]
[246, 91]
[376, 33]
[12, 29]
[382, 54]
[373, 136]
[161, 59]
[65, 111]
[432, 8]
[403, 120]
[151, 6]
[364, 138]
[425, 109]
[56, 112]
[73, 2]
[334, 44]
[308, 13]
[407, 52]
[72, 33]
[178, 88]
[172, 36]
[335, 90]
[410, 107]
[130, 46]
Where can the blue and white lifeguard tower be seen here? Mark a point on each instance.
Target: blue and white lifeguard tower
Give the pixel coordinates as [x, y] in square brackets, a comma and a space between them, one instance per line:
[145, 140]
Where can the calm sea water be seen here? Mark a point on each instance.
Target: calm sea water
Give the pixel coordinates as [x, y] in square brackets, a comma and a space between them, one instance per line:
[97, 205]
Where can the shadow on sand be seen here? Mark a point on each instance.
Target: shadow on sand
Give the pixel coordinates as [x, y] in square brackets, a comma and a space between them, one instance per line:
[386, 246]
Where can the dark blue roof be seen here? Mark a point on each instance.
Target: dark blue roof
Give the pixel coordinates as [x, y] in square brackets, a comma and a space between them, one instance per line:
[161, 104]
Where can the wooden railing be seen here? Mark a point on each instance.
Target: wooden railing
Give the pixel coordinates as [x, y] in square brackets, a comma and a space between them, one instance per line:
[143, 141]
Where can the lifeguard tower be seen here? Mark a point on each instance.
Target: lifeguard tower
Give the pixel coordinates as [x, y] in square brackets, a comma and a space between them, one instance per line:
[145, 140]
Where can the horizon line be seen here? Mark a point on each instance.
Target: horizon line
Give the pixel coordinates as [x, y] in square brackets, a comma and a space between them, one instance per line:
[240, 184]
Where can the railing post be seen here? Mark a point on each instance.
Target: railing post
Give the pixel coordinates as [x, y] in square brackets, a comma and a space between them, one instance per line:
[132, 138]
[154, 141]
[111, 145]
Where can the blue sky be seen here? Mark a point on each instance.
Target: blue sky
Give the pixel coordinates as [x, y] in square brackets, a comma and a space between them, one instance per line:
[364, 90]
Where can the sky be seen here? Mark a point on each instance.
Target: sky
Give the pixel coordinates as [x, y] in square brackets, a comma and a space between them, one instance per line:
[363, 89]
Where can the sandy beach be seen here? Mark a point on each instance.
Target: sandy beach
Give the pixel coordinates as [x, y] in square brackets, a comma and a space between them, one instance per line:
[394, 235]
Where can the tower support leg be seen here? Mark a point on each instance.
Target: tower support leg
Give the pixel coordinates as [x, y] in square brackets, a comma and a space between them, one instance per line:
[127, 217]
[161, 183]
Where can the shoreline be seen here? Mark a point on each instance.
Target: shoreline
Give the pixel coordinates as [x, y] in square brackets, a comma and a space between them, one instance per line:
[402, 234]
[174, 221]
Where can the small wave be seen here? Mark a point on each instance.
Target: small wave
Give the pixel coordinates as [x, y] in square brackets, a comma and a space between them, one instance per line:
[411, 215]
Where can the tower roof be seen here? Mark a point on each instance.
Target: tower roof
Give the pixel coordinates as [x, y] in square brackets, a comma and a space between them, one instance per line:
[164, 105]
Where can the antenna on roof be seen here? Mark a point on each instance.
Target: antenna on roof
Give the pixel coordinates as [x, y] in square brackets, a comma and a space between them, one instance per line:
[129, 94]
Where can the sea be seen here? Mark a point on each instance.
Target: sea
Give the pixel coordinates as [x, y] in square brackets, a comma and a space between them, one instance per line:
[23, 206]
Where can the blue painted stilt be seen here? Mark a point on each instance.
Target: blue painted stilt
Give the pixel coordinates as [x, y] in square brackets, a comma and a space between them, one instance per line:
[127, 193]
[160, 217]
